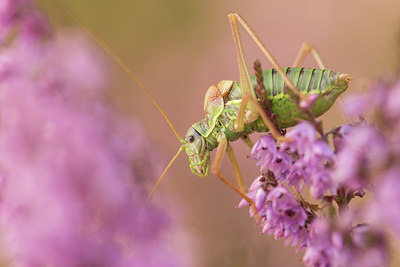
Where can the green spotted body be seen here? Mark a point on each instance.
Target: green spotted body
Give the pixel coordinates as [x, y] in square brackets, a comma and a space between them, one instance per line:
[221, 121]
[308, 80]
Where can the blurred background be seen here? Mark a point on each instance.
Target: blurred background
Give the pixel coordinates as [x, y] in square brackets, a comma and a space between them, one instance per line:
[178, 48]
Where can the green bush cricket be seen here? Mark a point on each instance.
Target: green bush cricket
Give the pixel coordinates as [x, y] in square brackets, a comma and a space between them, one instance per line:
[232, 109]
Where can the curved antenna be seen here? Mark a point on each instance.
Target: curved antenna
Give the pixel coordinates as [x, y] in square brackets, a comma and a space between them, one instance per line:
[181, 149]
[117, 59]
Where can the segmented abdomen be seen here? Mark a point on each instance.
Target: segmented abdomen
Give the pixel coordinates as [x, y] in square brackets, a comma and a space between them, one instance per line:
[307, 80]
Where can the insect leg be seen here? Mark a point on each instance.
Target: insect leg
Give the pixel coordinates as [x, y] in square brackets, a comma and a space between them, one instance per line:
[245, 83]
[305, 49]
[234, 19]
[236, 169]
[245, 78]
[216, 170]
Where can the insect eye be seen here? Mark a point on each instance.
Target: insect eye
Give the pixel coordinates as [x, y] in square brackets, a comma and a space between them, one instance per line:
[191, 138]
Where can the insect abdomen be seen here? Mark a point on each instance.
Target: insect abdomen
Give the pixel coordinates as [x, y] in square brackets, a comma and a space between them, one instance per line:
[326, 83]
[307, 80]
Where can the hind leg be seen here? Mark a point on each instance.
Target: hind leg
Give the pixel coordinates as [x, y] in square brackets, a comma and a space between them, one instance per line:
[305, 49]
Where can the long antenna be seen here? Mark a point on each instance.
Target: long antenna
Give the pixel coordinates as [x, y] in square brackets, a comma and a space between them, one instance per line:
[117, 59]
[181, 149]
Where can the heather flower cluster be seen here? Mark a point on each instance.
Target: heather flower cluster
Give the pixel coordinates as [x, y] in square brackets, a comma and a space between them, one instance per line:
[282, 215]
[23, 17]
[301, 162]
[336, 166]
[334, 243]
[71, 167]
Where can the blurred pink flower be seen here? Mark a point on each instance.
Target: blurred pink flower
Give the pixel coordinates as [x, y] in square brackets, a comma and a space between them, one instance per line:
[340, 135]
[336, 243]
[72, 168]
[320, 251]
[22, 16]
[363, 150]
[386, 207]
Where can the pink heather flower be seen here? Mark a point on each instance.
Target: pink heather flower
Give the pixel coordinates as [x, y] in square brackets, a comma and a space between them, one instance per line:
[72, 168]
[281, 214]
[301, 162]
[360, 104]
[313, 156]
[284, 216]
[336, 243]
[258, 193]
[22, 16]
[339, 136]
[35, 27]
[392, 107]
[390, 112]
[320, 250]
[11, 11]
[385, 208]
[381, 103]
[380, 96]
[364, 149]
[269, 157]
[368, 248]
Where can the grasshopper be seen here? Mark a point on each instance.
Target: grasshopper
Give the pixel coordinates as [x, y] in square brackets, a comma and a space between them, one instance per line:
[232, 109]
